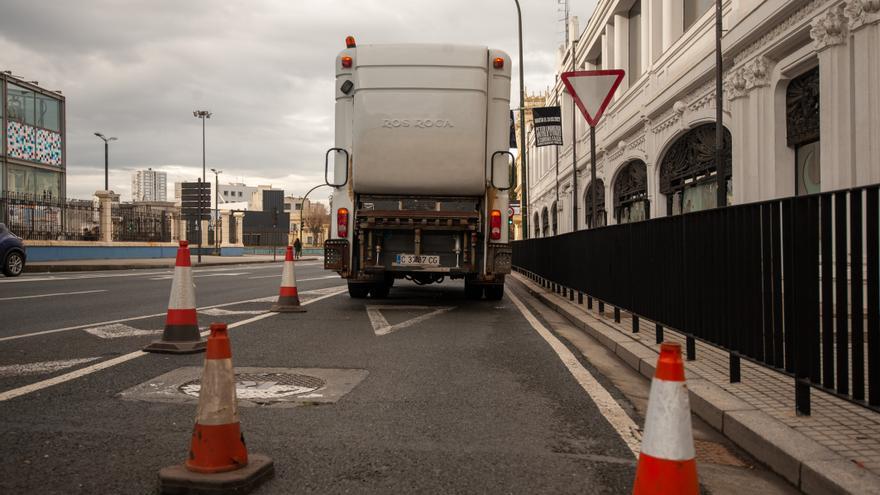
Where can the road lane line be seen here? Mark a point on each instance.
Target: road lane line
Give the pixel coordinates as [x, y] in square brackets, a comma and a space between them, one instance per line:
[42, 367]
[52, 295]
[133, 318]
[610, 409]
[73, 375]
[278, 275]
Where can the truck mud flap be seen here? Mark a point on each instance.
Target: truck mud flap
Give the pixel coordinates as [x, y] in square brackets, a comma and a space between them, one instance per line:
[336, 255]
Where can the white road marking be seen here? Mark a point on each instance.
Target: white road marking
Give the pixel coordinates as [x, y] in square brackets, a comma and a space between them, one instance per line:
[133, 318]
[610, 409]
[41, 368]
[381, 325]
[118, 330]
[159, 270]
[227, 312]
[52, 295]
[27, 389]
[198, 275]
[299, 280]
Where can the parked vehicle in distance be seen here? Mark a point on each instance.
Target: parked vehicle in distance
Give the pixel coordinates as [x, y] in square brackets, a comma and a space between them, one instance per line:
[420, 167]
[12, 252]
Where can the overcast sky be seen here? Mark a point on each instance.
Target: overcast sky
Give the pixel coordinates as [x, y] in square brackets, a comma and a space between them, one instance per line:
[137, 69]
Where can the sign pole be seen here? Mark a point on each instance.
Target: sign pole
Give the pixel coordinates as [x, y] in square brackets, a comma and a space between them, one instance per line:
[574, 173]
[593, 195]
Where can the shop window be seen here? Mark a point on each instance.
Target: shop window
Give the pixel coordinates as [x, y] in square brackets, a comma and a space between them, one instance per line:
[598, 217]
[631, 193]
[20, 104]
[688, 171]
[48, 113]
[41, 183]
[802, 130]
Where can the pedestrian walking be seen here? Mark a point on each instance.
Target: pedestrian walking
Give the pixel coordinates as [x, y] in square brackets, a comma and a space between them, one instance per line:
[297, 247]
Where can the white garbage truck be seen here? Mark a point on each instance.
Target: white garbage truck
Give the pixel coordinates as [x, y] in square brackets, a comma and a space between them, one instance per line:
[421, 168]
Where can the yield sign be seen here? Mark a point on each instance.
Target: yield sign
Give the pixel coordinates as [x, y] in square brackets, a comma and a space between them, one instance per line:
[592, 90]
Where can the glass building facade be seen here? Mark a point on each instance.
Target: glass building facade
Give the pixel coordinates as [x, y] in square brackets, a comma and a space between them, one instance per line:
[32, 139]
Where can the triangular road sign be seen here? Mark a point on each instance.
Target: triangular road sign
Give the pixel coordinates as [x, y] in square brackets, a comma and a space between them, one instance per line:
[592, 90]
[381, 325]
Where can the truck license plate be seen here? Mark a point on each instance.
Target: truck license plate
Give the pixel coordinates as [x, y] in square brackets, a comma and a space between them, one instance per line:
[417, 259]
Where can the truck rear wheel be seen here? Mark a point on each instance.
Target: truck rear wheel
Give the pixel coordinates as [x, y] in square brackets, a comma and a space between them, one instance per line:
[494, 292]
[358, 291]
[380, 290]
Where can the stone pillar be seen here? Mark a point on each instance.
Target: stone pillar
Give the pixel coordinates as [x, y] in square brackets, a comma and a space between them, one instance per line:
[655, 30]
[105, 202]
[672, 22]
[182, 229]
[175, 225]
[239, 228]
[752, 126]
[621, 50]
[829, 32]
[864, 24]
[645, 34]
[204, 226]
[604, 51]
[224, 217]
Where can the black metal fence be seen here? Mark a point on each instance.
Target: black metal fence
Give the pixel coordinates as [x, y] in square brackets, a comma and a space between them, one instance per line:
[44, 217]
[792, 284]
[140, 223]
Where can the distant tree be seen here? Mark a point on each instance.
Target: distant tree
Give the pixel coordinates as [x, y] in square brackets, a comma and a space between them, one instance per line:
[315, 217]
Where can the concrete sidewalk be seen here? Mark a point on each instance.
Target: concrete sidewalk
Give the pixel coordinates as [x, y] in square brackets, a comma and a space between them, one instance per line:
[131, 264]
[835, 450]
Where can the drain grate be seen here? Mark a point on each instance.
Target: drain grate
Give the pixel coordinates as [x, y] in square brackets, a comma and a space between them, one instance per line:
[263, 386]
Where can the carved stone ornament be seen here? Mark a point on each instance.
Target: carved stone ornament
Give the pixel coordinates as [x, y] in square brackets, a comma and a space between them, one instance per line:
[736, 84]
[829, 29]
[862, 13]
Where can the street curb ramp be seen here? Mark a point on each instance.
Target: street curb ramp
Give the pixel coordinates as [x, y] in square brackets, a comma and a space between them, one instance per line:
[805, 463]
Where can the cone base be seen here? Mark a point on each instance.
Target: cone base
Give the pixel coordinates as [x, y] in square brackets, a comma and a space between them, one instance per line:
[284, 308]
[660, 476]
[174, 347]
[178, 480]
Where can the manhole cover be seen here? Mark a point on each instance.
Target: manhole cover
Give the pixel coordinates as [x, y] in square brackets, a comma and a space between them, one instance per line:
[263, 386]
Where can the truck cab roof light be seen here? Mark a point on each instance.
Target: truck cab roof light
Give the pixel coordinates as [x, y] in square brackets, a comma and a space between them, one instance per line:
[349, 42]
[346, 62]
[498, 63]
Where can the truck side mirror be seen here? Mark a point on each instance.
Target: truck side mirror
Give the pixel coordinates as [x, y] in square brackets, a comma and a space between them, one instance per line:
[511, 161]
[327, 167]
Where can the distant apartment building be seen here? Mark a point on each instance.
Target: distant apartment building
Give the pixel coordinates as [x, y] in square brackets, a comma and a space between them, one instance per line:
[235, 192]
[149, 185]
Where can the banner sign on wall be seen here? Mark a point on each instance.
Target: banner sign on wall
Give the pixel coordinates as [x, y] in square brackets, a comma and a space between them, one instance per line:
[512, 131]
[548, 126]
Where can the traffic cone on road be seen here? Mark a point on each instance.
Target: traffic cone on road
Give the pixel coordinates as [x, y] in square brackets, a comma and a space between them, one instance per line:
[288, 298]
[181, 335]
[217, 444]
[666, 461]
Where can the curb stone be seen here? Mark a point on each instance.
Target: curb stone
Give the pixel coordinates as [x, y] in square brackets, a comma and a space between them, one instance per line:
[805, 463]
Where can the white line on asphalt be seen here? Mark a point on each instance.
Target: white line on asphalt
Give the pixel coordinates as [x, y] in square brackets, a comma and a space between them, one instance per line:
[159, 270]
[616, 416]
[42, 368]
[278, 275]
[52, 295]
[18, 392]
[118, 330]
[133, 318]
[381, 325]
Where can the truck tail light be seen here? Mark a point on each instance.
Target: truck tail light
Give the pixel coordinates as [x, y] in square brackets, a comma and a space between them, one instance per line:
[346, 62]
[342, 222]
[349, 42]
[498, 63]
[495, 225]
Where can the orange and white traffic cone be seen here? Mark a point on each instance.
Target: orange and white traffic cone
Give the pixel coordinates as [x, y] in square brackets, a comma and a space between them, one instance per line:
[217, 444]
[181, 334]
[288, 298]
[667, 461]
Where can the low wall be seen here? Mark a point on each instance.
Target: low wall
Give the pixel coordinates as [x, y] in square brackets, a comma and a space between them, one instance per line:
[95, 250]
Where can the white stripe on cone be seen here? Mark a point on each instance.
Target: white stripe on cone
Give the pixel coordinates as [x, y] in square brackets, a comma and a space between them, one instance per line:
[217, 402]
[288, 279]
[183, 293]
[668, 422]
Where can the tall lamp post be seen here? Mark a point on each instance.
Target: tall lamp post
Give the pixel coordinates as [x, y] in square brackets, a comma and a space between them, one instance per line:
[216, 207]
[106, 158]
[202, 114]
[524, 207]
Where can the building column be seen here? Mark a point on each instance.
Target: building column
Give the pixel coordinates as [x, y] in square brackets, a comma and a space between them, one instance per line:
[224, 222]
[105, 203]
[672, 22]
[645, 29]
[751, 116]
[239, 228]
[655, 23]
[204, 226]
[829, 32]
[621, 50]
[864, 24]
[182, 229]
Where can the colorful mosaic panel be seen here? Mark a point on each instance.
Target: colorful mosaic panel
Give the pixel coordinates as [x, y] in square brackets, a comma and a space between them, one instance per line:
[48, 147]
[20, 141]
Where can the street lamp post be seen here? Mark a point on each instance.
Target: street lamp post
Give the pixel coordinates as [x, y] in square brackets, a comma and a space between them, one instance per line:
[106, 158]
[216, 207]
[201, 114]
[524, 206]
[302, 208]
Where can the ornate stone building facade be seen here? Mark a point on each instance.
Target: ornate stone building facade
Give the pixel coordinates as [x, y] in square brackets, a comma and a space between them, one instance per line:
[801, 108]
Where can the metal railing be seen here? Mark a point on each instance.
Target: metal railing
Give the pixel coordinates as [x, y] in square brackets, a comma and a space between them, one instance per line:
[792, 284]
[139, 223]
[44, 217]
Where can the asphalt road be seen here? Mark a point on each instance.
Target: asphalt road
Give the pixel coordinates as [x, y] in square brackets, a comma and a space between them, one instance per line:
[456, 396]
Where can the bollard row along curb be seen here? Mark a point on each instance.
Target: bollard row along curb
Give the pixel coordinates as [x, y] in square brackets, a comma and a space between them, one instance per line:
[808, 465]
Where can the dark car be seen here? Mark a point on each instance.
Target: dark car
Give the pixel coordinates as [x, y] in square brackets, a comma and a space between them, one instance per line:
[12, 252]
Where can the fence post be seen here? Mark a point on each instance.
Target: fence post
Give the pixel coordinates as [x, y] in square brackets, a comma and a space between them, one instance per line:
[239, 228]
[602, 308]
[635, 319]
[658, 332]
[691, 347]
[105, 203]
[616, 314]
[225, 225]
[734, 367]
[570, 295]
[589, 302]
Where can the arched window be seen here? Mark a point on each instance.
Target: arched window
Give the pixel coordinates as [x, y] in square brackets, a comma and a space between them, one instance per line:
[545, 222]
[554, 219]
[688, 171]
[537, 224]
[802, 125]
[631, 193]
[599, 215]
